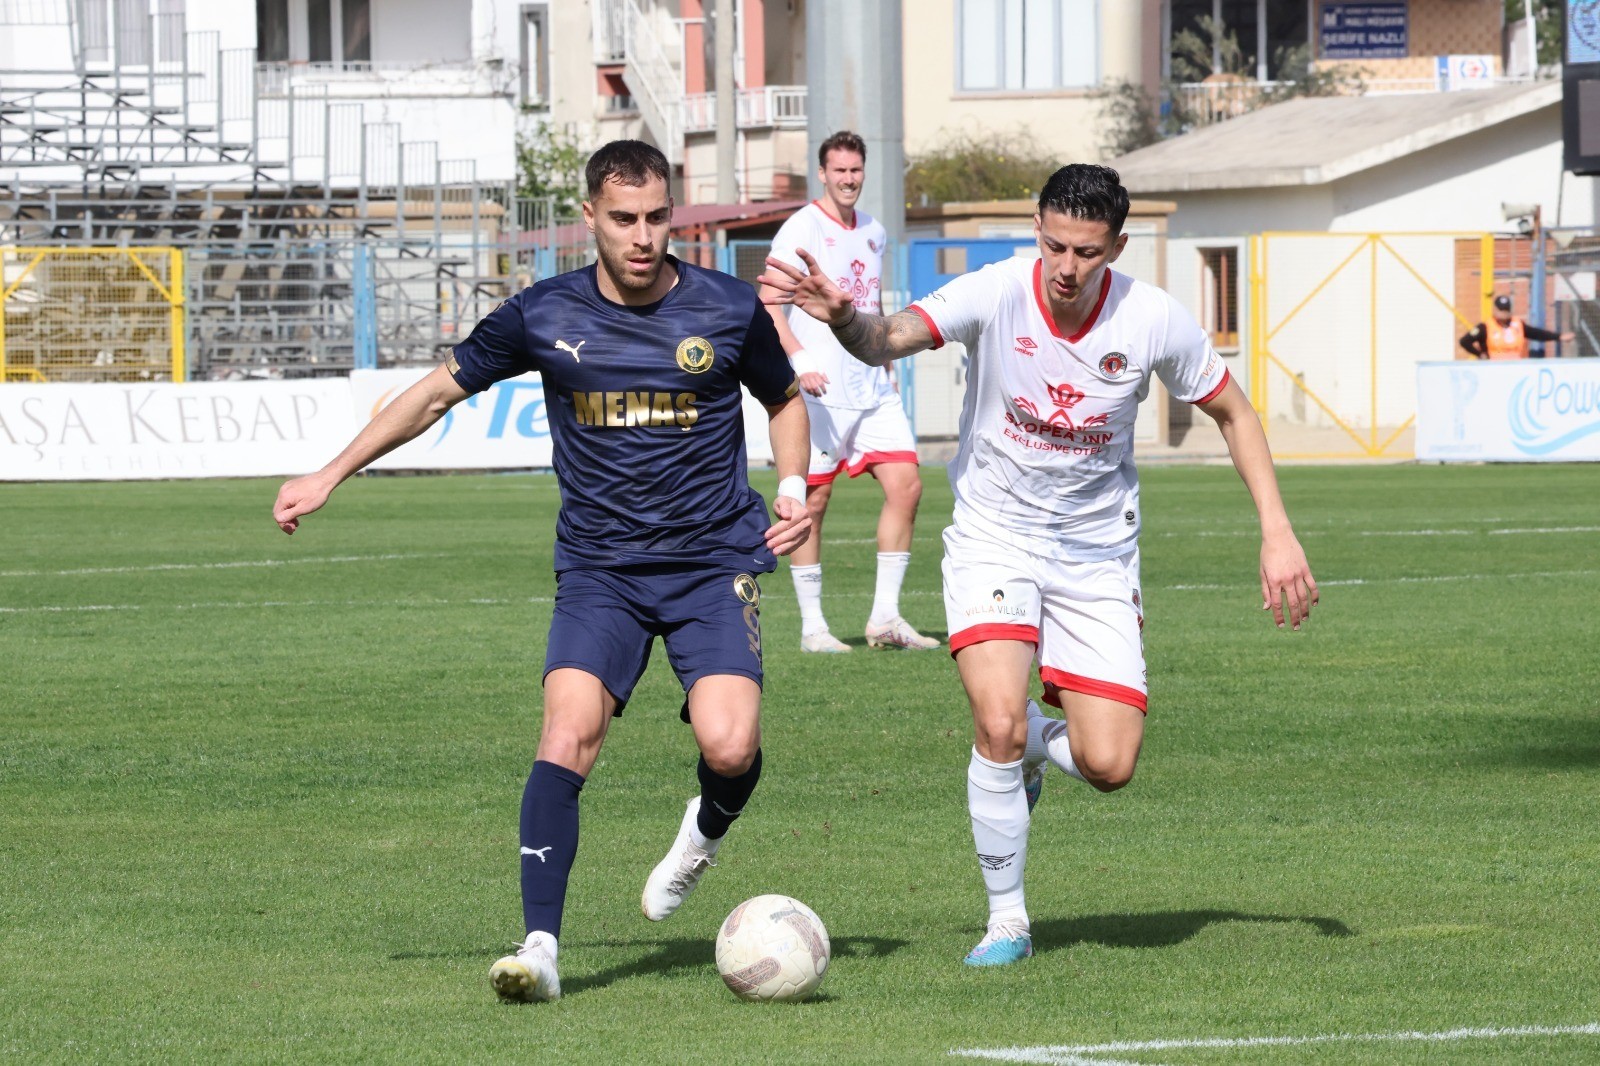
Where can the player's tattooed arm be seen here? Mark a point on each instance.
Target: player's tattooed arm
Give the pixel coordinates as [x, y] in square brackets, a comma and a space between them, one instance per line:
[877, 340]
[872, 339]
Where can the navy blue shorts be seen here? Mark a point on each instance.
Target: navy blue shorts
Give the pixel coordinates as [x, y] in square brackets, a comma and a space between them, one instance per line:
[605, 621]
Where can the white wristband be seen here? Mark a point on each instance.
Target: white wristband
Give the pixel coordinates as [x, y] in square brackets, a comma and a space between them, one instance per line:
[803, 362]
[794, 487]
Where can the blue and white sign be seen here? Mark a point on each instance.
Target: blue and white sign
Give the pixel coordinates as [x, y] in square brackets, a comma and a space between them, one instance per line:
[1465, 72]
[1514, 411]
[1583, 31]
[1364, 31]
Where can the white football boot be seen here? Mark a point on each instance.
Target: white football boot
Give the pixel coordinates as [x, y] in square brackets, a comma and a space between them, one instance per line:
[825, 643]
[897, 633]
[675, 876]
[529, 975]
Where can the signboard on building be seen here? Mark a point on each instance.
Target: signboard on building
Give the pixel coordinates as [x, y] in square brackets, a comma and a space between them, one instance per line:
[1364, 31]
[1580, 88]
[1465, 72]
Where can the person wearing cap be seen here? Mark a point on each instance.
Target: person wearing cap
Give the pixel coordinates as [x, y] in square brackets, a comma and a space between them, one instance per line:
[1506, 337]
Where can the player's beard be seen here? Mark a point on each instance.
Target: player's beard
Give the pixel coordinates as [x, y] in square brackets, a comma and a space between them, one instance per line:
[626, 276]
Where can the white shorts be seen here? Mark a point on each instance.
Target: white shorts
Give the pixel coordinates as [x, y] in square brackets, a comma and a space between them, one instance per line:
[855, 441]
[1084, 619]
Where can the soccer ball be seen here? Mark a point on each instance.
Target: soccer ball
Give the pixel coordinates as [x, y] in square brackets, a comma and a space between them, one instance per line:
[772, 948]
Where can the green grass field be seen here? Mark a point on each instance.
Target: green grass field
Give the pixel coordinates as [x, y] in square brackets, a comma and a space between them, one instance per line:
[258, 796]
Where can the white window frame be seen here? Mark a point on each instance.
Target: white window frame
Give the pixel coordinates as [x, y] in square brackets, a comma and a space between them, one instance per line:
[1012, 72]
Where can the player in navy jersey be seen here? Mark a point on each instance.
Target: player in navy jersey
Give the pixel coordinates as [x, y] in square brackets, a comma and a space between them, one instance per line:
[642, 359]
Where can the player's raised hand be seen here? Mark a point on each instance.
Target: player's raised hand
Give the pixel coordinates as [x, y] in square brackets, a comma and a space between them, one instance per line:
[792, 527]
[296, 498]
[813, 292]
[1286, 581]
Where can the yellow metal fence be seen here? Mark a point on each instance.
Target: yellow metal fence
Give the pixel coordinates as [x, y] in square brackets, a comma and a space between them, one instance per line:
[91, 314]
[1338, 324]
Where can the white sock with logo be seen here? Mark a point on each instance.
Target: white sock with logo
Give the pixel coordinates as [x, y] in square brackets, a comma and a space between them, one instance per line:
[1000, 830]
[808, 590]
[1047, 739]
[886, 598]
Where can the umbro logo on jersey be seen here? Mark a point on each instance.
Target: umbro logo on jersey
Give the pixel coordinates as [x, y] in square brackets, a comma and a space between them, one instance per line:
[996, 862]
[1113, 365]
[1026, 346]
[829, 241]
[537, 851]
[563, 346]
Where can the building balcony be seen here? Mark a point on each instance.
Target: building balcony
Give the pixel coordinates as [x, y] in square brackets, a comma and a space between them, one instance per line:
[767, 107]
[1224, 96]
[362, 80]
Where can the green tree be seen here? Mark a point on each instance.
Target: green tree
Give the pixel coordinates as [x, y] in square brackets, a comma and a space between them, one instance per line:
[550, 164]
[970, 167]
[1547, 21]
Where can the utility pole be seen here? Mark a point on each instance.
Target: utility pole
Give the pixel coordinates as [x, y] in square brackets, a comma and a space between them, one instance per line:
[727, 113]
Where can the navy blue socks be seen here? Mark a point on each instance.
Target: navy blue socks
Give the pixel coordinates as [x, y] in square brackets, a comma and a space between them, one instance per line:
[723, 798]
[549, 843]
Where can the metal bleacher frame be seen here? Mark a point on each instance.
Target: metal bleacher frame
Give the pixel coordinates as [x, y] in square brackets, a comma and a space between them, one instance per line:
[317, 240]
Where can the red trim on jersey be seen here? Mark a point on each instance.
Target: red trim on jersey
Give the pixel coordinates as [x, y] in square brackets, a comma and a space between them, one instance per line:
[938, 338]
[872, 459]
[829, 214]
[1214, 393]
[992, 631]
[1059, 679]
[1044, 305]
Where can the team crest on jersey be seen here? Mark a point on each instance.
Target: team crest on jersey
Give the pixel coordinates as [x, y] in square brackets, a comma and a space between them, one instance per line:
[1113, 365]
[695, 355]
[745, 587]
[874, 246]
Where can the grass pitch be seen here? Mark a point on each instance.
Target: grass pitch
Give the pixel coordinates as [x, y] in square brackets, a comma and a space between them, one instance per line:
[258, 796]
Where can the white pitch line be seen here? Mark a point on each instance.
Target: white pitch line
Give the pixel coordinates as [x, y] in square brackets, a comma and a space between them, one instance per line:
[259, 604]
[1426, 579]
[1092, 1054]
[234, 565]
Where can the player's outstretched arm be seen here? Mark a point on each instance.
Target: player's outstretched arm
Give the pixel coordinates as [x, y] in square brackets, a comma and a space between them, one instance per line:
[873, 339]
[789, 427]
[411, 413]
[1286, 581]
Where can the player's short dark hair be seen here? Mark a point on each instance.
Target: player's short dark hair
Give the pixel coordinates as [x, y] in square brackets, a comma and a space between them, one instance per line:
[843, 141]
[1088, 192]
[626, 163]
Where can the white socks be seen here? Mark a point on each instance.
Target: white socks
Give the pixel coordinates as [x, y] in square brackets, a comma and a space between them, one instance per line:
[1047, 739]
[1000, 830]
[808, 590]
[886, 598]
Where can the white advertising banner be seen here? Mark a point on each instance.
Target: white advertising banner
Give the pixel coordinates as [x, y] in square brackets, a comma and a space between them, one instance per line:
[503, 428]
[1524, 410]
[65, 432]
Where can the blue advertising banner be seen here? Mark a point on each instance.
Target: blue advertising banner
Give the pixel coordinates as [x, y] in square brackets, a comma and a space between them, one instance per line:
[1364, 31]
[1583, 31]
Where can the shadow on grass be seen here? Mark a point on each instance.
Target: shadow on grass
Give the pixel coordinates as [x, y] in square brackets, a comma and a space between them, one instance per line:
[1574, 744]
[661, 956]
[690, 952]
[1159, 929]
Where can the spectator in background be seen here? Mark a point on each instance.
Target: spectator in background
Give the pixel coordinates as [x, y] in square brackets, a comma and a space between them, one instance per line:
[1506, 337]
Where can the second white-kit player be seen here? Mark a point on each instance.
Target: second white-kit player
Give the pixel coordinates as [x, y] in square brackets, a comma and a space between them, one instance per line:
[858, 424]
[1042, 558]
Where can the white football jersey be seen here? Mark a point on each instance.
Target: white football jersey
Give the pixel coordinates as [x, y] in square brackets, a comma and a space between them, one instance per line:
[853, 258]
[1046, 455]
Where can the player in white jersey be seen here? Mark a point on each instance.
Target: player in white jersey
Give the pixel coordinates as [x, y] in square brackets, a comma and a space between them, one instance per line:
[1042, 560]
[857, 421]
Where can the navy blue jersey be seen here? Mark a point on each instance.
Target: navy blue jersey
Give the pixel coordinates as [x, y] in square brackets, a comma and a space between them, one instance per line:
[645, 412]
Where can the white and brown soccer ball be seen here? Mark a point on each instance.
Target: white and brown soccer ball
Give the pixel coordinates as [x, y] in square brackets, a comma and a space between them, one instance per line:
[772, 948]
